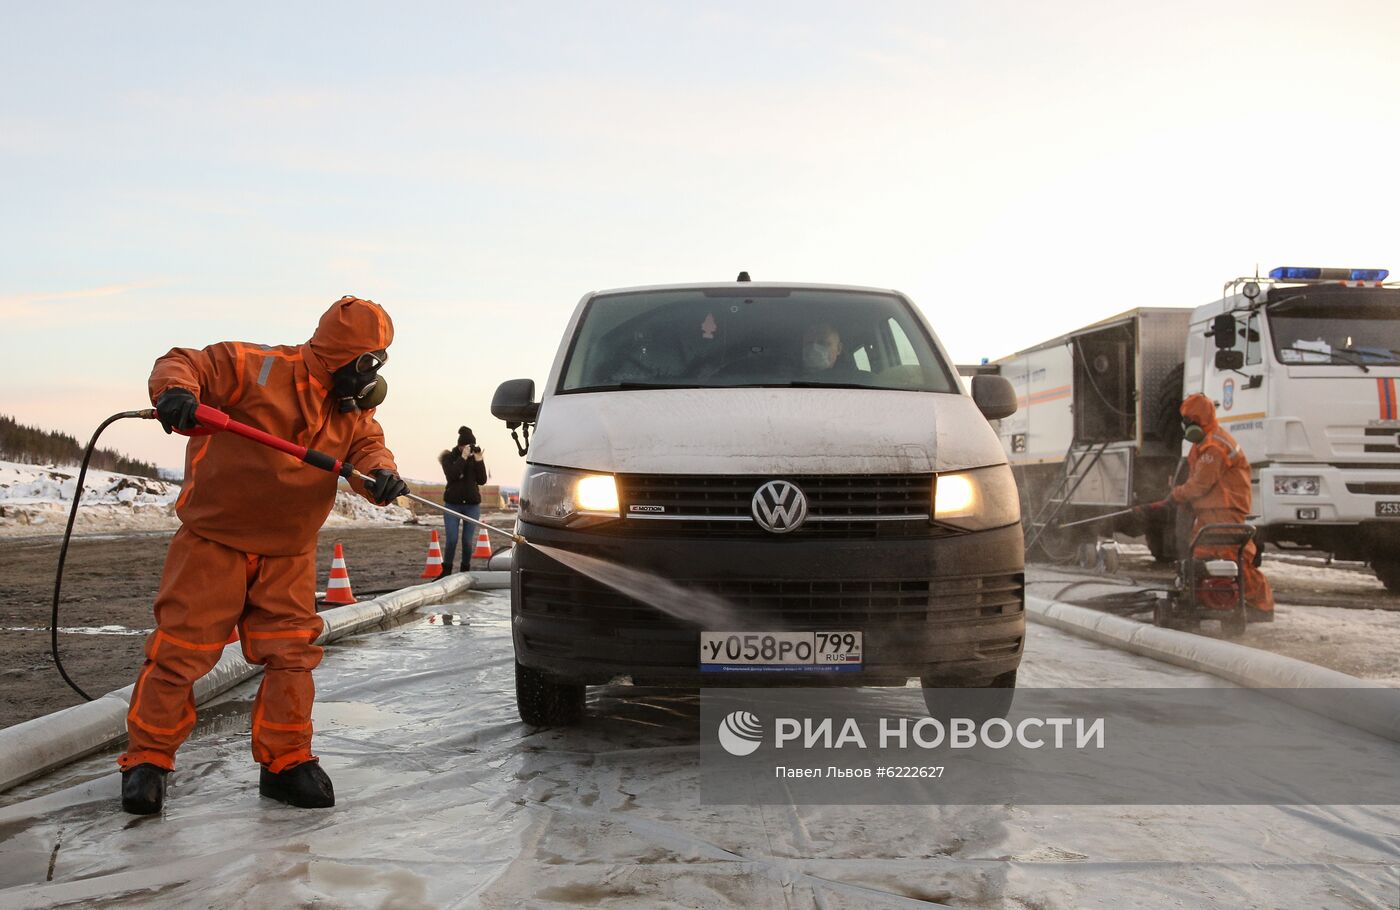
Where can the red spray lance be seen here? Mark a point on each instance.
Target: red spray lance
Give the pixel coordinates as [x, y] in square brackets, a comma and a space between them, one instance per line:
[212, 420]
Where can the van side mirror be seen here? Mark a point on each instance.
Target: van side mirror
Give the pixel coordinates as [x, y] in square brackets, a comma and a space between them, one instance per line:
[1223, 329]
[1229, 360]
[994, 396]
[514, 402]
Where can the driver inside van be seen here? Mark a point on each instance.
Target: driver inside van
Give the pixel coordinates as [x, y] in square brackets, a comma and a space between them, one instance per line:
[821, 347]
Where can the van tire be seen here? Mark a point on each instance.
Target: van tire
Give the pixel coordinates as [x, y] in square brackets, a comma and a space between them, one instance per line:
[1387, 569]
[547, 701]
[998, 705]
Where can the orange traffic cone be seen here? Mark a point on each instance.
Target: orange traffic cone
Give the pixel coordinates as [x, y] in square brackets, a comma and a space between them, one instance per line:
[433, 567]
[338, 585]
[483, 546]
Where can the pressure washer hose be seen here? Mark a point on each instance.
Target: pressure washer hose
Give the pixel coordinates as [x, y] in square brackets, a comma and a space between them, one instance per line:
[212, 420]
[146, 413]
[1140, 599]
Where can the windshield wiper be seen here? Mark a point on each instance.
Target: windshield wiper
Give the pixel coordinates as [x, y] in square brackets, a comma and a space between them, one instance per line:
[1375, 354]
[811, 384]
[1330, 353]
[635, 386]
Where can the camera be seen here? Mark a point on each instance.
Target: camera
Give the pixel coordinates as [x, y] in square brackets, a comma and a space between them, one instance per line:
[474, 449]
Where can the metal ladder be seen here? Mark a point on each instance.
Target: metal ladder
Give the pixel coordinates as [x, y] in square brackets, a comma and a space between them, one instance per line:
[1079, 461]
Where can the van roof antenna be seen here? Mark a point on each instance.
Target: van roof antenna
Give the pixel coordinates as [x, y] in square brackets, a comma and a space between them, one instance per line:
[743, 276]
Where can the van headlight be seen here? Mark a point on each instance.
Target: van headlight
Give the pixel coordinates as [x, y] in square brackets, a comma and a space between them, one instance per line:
[559, 497]
[977, 500]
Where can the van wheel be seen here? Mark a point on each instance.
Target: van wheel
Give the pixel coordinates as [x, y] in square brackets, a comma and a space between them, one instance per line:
[547, 701]
[995, 701]
[1387, 569]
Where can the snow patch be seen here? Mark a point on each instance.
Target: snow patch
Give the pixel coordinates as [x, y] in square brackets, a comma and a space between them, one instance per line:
[35, 499]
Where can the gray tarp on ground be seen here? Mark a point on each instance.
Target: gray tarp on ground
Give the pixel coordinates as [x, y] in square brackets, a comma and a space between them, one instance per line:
[446, 800]
[29, 749]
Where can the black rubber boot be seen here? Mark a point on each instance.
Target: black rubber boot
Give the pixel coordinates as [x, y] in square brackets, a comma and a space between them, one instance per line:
[447, 567]
[305, 786]
[143, 789]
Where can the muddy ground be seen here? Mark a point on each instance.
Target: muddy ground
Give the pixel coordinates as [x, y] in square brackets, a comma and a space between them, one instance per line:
[112, 581]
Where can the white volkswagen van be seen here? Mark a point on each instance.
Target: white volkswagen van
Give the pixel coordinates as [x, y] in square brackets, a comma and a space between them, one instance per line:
[806, 453]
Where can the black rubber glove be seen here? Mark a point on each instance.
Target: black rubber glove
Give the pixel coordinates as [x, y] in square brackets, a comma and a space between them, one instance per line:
[386, 486]
[175, 410]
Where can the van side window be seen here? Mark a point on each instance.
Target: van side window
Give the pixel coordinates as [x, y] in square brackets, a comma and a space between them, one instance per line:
[1252, 353]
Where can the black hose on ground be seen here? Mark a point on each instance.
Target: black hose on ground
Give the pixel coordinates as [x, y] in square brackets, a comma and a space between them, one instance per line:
[1125, 603]
[67, 535]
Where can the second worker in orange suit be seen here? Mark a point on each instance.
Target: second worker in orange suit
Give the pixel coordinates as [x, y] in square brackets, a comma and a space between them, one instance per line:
[244, 555]
[1218, 492]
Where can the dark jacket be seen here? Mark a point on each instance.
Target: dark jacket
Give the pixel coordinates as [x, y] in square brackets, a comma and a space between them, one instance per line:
[464, 478]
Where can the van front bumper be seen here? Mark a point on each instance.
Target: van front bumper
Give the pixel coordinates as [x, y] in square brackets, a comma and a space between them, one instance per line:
[948, 609]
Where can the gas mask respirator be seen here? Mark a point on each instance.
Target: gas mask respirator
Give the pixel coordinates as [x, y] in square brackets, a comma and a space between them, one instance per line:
[1193, 431]
[357, 386]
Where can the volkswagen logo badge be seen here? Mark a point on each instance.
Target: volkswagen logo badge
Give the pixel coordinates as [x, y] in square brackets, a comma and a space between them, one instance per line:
[779, 506]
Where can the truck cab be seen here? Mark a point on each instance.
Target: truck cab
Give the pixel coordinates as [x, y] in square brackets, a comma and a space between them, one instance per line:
[1303, 366]
[801, 455]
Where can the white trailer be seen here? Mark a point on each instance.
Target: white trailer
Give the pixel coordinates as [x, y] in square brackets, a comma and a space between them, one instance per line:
[1302, 367]
[1097, 426]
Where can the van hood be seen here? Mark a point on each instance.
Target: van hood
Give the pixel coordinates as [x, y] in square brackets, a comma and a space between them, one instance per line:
[763, 431]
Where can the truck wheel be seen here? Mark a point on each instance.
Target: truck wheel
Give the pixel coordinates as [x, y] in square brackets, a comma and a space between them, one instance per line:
[1387, 569]
[995, 702]
[1167, 421]
[547, 701]
[1159, 542]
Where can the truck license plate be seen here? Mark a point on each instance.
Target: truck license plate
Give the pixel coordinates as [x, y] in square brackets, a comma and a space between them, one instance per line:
[780, 651]
[1388, 509]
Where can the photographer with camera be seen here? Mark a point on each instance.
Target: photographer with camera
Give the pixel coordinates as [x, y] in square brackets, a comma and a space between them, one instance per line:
[465, 469]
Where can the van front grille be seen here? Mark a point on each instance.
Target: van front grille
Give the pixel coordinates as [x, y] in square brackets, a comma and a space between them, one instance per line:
[891, 505]
[788, 603]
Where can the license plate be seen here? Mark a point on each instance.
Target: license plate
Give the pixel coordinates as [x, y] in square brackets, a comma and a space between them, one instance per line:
[1388, 509]
[780, 651]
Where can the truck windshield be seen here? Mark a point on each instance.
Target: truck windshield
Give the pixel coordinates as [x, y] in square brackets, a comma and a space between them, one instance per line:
[752, 337]
[1353, 326]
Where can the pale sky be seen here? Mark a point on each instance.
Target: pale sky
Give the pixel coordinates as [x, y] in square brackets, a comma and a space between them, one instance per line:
[180, 174]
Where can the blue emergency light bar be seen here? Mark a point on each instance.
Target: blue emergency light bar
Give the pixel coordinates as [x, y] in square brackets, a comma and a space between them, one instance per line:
[1295, 273]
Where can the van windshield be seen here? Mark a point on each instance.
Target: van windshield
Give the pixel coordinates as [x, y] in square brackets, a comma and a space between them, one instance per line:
[1356, 325]
[752, 337]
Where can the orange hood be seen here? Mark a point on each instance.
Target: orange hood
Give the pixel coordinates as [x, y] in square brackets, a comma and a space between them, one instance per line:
[1200, 409]
[351, 327]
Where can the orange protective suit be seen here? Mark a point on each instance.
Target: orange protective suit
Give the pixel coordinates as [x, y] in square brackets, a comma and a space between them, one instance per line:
[245, 553]
[1218, 492]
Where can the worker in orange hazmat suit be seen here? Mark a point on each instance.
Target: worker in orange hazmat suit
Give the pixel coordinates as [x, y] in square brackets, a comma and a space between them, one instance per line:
[1218, 492]
[244, 555]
